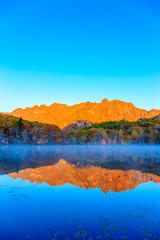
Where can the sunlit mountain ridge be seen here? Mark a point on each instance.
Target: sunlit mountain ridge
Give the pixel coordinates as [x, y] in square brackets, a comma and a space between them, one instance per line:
[63, 115]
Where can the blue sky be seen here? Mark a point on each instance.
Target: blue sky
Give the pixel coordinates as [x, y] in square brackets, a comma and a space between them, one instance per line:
[74, 51]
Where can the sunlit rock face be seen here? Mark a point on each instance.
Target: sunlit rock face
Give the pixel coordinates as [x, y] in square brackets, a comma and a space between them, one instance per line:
[86, 177]
[63, 115]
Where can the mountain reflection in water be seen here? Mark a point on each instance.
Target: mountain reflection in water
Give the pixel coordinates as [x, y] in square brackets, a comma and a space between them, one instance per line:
[116, 168]
[86, 177]
[63, 208]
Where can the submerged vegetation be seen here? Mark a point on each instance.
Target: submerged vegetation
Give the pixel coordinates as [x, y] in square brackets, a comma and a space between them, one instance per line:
[17, 130]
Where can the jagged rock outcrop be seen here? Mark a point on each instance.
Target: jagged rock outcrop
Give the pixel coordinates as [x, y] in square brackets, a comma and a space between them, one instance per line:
[63, 115]
[76, 126]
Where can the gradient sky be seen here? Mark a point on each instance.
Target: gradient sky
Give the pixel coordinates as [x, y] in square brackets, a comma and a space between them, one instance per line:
[73, 51]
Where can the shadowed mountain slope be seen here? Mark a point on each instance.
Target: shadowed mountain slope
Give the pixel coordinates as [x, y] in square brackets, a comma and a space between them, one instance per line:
[15, 130]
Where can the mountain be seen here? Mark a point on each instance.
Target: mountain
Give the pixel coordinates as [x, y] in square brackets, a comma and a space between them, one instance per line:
[86, 177]
[63, 115]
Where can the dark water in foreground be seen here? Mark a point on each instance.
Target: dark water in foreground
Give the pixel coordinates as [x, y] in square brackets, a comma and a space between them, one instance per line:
[74, 192]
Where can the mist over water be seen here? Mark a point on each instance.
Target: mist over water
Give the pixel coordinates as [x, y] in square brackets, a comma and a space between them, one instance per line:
[79, 192]
[143, 158]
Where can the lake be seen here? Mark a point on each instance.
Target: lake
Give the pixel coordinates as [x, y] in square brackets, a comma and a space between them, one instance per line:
[79, 192]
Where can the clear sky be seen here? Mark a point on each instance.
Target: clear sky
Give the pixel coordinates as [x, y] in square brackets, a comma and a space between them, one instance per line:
[73, 51]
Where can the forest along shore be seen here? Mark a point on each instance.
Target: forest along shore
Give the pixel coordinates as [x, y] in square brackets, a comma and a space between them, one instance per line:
[15, 130]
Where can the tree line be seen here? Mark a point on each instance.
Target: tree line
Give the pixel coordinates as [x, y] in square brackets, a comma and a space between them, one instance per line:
[15, 130]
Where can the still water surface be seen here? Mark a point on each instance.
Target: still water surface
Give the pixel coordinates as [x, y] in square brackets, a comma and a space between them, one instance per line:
[79, 192]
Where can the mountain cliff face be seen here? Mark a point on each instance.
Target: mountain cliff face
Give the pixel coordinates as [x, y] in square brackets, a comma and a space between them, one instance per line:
[86, 177]
[63, 115]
